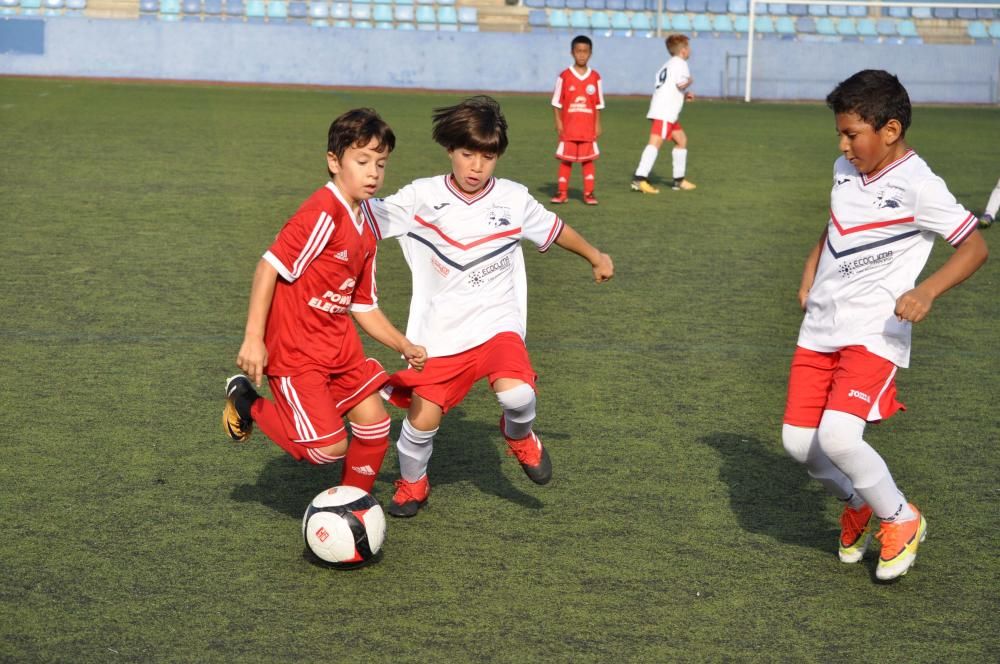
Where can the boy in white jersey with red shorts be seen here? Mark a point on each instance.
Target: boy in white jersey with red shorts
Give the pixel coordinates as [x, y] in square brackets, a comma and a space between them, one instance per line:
[672, 89]
[858, 292]
[577, 102]
[461, 235]
[321, 267]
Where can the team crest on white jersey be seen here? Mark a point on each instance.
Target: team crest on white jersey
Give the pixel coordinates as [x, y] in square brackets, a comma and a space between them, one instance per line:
[890, 197]
[499, 216]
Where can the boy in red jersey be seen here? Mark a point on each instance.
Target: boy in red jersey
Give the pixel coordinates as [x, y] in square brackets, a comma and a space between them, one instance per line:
[578, 100]
[860, 298]
[461, 235]
[320, 267]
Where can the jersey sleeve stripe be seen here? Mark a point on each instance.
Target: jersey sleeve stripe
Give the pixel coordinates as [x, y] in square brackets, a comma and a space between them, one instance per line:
[279, 266]
[964, 230]
[317, 241]
[369, 214]
[553, 235]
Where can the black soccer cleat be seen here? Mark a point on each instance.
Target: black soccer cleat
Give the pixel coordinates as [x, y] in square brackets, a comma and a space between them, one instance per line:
[239, 390]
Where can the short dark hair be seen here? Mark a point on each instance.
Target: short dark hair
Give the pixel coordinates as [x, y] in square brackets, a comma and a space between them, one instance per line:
[356, 129]
[875, 96]
[581, 39]
[476, 123]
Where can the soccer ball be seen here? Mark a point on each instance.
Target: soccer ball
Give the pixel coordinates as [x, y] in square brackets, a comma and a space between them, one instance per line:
[344, 526]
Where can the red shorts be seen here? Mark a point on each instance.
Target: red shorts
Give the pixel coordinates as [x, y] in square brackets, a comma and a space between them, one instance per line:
[852, 380]
[446, 380]
[577, 151]
[312, 405]
[664, 129]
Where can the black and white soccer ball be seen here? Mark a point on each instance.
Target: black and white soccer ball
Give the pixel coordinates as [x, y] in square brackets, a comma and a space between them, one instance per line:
[345, 526]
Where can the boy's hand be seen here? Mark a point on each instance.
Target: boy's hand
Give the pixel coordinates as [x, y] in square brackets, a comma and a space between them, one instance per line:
[415, 355]
[913, 305]
[253, 358]
[604, 269]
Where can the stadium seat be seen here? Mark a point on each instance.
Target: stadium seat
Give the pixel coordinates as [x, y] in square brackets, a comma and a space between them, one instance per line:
[665, 23]
[405, 13]
[681, 23]
[846, 27]
[825, 26]
[908, 30]
[838, 11]
[804, 25]
[468, 16]
[741, 24]
[620, 21]
[380, 14]
[256, 10]
[696, 6]
[319, 11]
[277, 11]
[723, 24]
[447, 16]
[886, 27]
[818, 10]
[674, 6]
[774, 8]
[600, 21]
[642, 22]
[9, 7]
[579, 20]
[30, 7]
[445, 2]
[977, 30]
[785, 26]
[191, 8]
[534, 4]
[738, 7]
[922, 12]
[899, 12]
[343, 25]
[764, 25]
[633, 5]
[967, 13]
[797, 10]
[234, 8]
[701, 23]
[995, 29]
[212, 8]
[867, 28]
[170, 10]
[340, 11]
[598, 5]
[576, 4]
[405, 26]
[558, 19]
[297, 9]
[425, 16]
[985, 14]
[553, 4]
[857, 12]
[362, 12]
[53, 7]
[145, 6]
[362, 25]
[718, 6]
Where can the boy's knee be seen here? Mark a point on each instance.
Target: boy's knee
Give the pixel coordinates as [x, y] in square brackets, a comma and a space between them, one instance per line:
[371, 434]
[840, 434]
[798, 441]
[520, 399]
[319, 456]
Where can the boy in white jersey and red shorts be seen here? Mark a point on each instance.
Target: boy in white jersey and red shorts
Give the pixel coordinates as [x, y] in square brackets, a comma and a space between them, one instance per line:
[672, 89]
[461, 235]
[321, 267]
[577, 102]
[858, 292]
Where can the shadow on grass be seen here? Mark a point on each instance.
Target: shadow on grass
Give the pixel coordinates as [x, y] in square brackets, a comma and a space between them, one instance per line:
[771, 494]
[464, 451]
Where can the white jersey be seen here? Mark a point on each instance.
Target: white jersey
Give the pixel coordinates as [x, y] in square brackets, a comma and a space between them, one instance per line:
[668, 97]
[465, 257]
[880, 233]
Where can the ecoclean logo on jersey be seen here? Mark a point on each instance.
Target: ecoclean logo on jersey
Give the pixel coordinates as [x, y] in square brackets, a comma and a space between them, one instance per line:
[490, 272]
[863, 264]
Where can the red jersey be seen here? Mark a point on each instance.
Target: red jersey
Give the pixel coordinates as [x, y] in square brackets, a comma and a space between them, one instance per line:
[579, 97]
[326, 261]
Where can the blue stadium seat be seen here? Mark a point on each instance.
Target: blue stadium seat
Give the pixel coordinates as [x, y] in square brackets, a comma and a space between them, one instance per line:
[797, 10]
[600, 21]
[886, 27]
[596, 5]
[804, 25]
[774, 8]
[985, 14]
[995, 29]
[825, 26]
[764, 25]
[718, 6]
[738, 7]
[170, 10]
[907, 29]
[212, 7]
[405, 13]
[867, 28]
[445, 2]
[319, 12]
[620, 21]
[255, 9]
[785, 26]
[558, 19]
[847, 28]
[696, 6]
[234, 9]
[681, 23]
[425, 16]
[723, 24]
[340, 11]
[30, 7]
[362, 25]
[191, 7]
[898, 12]
[857, 12]
[579, 20]
[741, 24]
[145, 6]
[701, 23]
[405, 26]
[818, 10]
[634, 5]
[642, 22]
[297, 9]
[9, 7]
[362, 12]
[554, 4]
[447, 16]
[838, 11]
[978, 31]
[277, 11]
[967, 13]
[343, 25]
[53, 7]
[534, 4]
[665, 23]
[576, 4]
[468, 16]
[380, 14]
[675, 6]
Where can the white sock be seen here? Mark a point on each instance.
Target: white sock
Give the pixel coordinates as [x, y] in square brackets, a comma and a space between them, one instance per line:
[802, 444]
[680, 159]
[840, 439]
[518, 410]
[994, 205]
[414, 447]
[646, 161]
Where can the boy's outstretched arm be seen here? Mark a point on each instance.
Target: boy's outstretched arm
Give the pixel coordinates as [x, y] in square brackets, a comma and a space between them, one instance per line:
[570, 240]
[252, 358]
[378, 327]
[809, 271]
[915, 304]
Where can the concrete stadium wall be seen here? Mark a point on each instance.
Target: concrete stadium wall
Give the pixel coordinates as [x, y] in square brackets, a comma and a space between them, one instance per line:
[484, 61]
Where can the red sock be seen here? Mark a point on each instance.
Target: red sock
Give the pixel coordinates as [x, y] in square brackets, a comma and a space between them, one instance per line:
[365, 454]
[265, 416]
[589, 177]
[565, 170]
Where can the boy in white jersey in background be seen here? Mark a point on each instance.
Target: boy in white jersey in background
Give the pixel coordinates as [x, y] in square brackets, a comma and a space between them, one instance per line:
[858, 292]
[992, 206]
[673, 83]
[461, 234]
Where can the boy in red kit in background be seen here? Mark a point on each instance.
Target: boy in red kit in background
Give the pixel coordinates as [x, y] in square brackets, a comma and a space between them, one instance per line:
[320, 267]
[578, 100]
